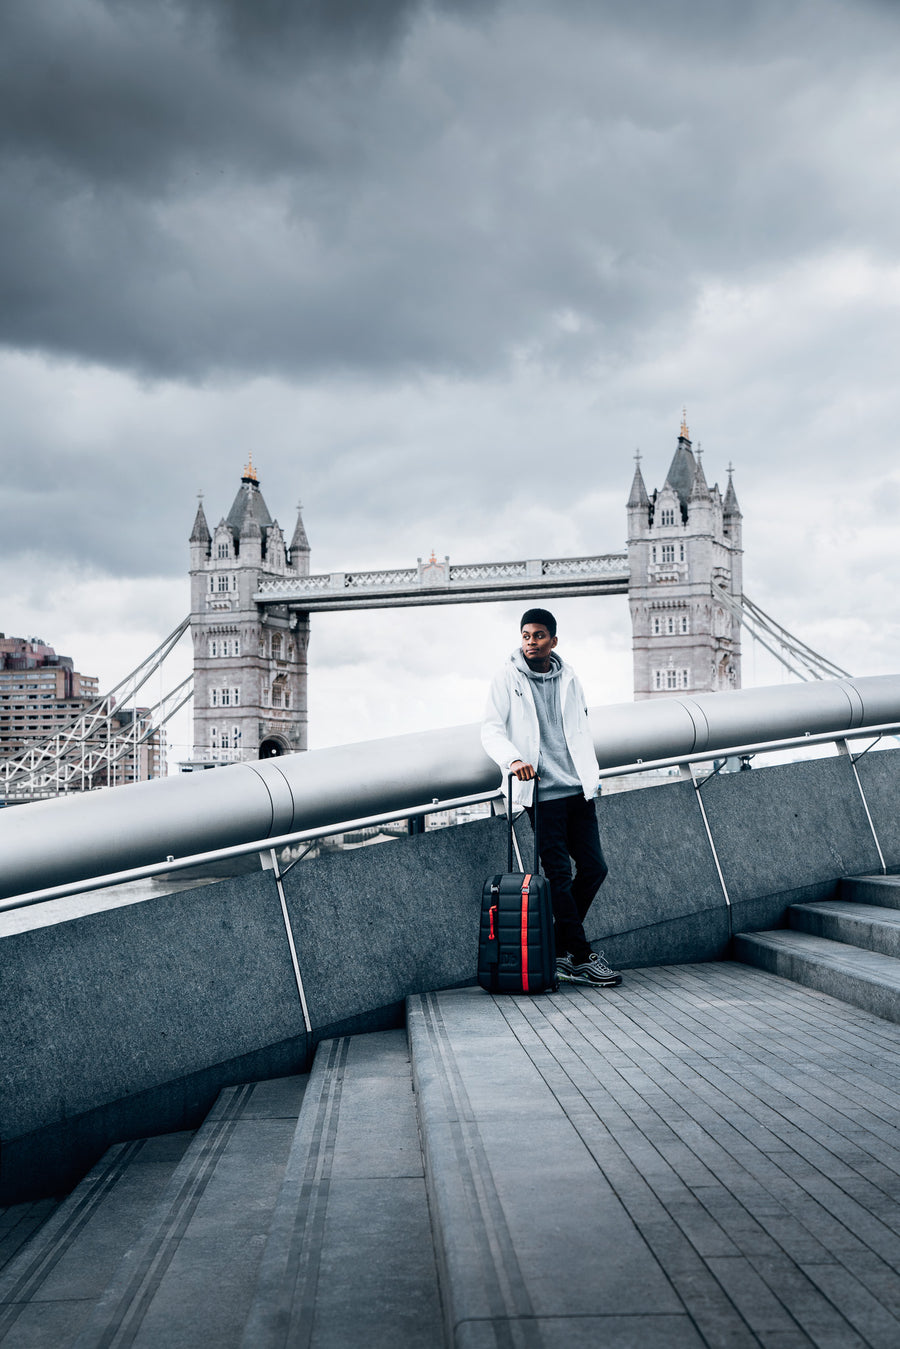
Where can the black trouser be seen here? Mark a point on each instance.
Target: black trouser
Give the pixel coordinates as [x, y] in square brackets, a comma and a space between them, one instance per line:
[568, 833]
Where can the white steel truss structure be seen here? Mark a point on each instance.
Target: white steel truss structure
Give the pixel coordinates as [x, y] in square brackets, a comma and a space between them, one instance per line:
[792, 653]
[86, 751]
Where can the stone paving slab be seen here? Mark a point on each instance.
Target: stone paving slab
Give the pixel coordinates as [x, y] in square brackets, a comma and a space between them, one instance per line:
[707, 1155]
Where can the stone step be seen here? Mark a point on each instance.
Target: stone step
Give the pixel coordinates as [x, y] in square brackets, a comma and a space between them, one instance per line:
[883, 891]
[190, 1277]
[49, 1289]
[349, 1259]
[866, 979]
[870, 926]
[535, 1244]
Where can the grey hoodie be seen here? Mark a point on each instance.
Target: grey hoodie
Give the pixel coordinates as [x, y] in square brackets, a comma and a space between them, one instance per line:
[554, 766]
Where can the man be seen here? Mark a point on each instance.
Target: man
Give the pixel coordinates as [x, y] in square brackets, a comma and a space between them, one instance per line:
[536, 726]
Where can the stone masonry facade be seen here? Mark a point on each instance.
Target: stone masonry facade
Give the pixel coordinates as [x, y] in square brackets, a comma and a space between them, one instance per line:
[684, 546]
[250, 663]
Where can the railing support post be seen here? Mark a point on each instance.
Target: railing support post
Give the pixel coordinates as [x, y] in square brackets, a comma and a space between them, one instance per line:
[843, 748]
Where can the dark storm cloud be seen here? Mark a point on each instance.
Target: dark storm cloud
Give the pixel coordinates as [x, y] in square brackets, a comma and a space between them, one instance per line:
[394, 187]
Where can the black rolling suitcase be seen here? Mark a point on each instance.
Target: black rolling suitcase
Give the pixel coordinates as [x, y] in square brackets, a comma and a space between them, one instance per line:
[516, 949]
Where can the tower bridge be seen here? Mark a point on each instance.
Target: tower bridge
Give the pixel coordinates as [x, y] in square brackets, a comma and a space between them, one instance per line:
[252, 595]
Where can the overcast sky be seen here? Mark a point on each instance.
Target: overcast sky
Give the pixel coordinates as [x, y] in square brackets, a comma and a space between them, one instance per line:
[441, 269]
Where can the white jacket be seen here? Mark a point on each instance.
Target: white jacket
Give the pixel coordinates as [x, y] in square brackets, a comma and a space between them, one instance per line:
[510, 728]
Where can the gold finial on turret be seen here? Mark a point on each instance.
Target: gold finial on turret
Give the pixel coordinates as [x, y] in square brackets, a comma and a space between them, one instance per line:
[684, 433]
[250, 471]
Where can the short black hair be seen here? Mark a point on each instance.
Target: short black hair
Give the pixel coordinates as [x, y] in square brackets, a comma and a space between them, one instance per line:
[539, 616]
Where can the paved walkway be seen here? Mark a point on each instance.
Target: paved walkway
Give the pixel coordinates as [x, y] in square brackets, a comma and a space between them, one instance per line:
[708, 1155]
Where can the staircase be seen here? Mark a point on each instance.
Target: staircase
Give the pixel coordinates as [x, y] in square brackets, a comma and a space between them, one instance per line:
[296, 1214]
[407, 1192]
[847, 947]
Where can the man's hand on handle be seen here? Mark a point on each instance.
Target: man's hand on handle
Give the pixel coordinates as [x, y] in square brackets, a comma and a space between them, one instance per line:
[523, 771]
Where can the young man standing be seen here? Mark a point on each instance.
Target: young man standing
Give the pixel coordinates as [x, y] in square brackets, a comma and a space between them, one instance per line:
[536, 726]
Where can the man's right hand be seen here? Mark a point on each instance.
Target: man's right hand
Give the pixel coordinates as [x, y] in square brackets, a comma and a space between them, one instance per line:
[523, 771]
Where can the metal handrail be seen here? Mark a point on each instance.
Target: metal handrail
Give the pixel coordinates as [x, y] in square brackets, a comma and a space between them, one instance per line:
[412, 812]
[237, 850]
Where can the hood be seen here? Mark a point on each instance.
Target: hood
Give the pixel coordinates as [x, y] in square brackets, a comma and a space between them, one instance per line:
[519, 661]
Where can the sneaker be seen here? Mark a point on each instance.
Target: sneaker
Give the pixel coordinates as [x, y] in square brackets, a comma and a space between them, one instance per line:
[564, 966]
[595, 970]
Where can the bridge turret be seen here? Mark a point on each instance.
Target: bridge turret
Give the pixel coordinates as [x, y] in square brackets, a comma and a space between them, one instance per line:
[201, 539]
[681, 639]
[299, 551]
[249, 661]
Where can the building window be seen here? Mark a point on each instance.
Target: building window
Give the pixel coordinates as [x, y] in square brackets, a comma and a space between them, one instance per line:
[236, 737]
[671, 679]
[214, 697]
[668, 552]
[681, 552]
[212, 583]
[684, 623]
[222, 550]
[236, 647]
[223, 582]
[235, 697]
[276, 646]
[667, 517]
[657, 626]
[213, 647]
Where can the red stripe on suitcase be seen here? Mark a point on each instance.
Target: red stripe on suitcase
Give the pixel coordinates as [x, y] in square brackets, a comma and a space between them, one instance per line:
[524, 933]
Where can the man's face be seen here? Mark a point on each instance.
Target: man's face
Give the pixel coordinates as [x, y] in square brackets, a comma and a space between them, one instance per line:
[537, 642]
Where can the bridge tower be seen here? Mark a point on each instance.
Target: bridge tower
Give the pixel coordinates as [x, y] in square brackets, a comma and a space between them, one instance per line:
[684, 542]
[250, 687]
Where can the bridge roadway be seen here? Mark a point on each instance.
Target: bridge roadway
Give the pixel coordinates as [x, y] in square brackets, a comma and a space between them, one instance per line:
[708, 1155]
[435, 582]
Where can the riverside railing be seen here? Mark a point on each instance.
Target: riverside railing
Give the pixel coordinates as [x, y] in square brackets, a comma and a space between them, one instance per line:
[63, 847]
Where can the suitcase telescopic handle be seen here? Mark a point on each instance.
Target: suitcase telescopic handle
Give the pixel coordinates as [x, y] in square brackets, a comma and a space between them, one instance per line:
[509, 816]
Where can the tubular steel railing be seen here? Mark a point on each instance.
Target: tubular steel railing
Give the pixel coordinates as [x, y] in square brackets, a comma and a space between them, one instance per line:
[437, 805]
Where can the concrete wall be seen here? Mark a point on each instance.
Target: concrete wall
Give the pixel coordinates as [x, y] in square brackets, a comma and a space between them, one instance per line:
[126, 1020]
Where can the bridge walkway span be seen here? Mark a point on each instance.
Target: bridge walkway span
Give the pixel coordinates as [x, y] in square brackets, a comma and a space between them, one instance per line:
[708, 1155]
